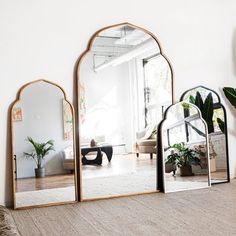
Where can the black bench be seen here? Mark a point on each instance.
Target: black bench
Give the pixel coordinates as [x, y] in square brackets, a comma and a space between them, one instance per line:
[108, 150]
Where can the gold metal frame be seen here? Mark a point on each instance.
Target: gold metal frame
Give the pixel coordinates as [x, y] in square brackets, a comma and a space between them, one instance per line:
[77, 109]
[18, 98]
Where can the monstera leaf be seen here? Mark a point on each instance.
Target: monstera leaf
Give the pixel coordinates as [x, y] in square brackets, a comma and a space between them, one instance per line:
[230, 93]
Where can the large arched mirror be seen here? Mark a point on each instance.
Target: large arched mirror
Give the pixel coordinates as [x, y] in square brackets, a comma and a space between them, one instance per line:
[214, 113]
[43, 146]
[184, 153]
[125, 83]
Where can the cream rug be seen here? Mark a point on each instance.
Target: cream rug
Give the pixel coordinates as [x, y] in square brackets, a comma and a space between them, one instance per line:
[45, 196]
[204, 212]
[133, 182]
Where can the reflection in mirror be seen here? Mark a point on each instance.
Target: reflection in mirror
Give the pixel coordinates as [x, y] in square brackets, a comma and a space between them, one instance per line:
[184, 149]
[215, 117]
[125, 86]
[43, 146]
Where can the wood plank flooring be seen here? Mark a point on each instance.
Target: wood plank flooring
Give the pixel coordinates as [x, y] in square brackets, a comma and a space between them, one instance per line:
[48, 182]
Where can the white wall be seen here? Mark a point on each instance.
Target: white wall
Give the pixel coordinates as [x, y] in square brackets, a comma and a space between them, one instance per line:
[43, 39]
[108, 103]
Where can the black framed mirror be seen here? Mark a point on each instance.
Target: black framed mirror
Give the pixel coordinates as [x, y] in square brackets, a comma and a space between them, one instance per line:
[214, 113]
[183, 156]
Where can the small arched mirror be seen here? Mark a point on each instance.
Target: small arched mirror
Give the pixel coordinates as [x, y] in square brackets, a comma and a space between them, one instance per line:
[214, 113]
[184, 159]
[43, 146]
[125, 83]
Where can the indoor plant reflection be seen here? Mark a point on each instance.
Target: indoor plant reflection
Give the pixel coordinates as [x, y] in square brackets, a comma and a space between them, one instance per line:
[183, 157]
[38, 154]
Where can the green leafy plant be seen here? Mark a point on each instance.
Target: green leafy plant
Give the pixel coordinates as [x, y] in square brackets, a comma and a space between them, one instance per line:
[181, 155]
[221, 124]
[230, 93]
[206, 108]
[40, 151]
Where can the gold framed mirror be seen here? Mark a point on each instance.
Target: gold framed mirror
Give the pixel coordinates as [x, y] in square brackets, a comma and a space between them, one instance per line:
[124, 84]
[43, 146]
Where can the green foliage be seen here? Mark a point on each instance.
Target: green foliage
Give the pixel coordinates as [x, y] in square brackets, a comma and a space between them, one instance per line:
[221, 125]
[206, 108]
[181, 155]
[230, 93]
[207, 112]
[40, 151]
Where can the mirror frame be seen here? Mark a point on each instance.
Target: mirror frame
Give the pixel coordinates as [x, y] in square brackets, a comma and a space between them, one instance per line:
[161, 163]
[18, 98]
[216, 105]
[77, 109]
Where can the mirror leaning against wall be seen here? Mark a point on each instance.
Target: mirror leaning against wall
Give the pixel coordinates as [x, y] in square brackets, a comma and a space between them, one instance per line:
[124, 86]
[214, 113]
[42, 123]
[184, 158]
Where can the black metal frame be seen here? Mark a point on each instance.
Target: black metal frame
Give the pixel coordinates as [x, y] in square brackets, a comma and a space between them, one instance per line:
[216, 106]
[160, 169]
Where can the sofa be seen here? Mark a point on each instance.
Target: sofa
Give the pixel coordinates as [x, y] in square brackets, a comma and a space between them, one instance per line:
[146, 141]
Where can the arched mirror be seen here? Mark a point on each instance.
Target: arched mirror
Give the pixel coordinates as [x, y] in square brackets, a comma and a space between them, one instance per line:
[42, 122]
[184, 159]
[214, 113]
[125, 83]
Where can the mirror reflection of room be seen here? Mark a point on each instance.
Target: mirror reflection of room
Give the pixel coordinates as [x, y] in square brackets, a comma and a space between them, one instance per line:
[185, 149]
[43, 146]
[215, 118]
[125, 87]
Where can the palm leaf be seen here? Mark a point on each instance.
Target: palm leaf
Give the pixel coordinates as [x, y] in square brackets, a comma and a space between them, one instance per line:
[41, 150]
[230, 93]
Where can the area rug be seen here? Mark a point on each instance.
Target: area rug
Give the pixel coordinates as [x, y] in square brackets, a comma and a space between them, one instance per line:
[7, 224]
[45, 196]
[205, 212]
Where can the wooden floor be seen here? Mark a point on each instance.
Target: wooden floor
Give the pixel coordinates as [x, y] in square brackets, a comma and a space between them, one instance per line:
[119, 166]
[48, 182]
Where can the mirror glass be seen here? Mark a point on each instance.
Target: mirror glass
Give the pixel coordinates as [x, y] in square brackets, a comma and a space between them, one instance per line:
[215, 118]
[125, 87]
[43, 146]
[184, 149]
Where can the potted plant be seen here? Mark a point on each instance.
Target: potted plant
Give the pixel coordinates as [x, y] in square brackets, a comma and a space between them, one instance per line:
[183, 157]
[38, 154]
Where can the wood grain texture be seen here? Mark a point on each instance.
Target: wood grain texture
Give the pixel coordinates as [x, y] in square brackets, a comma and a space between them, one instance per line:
[48, 182]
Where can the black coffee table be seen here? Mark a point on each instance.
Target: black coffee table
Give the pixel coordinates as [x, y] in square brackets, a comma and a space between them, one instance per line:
[107, 149]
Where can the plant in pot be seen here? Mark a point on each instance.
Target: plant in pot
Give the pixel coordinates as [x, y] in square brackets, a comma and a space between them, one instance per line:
[38, 155]
[183, 157]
